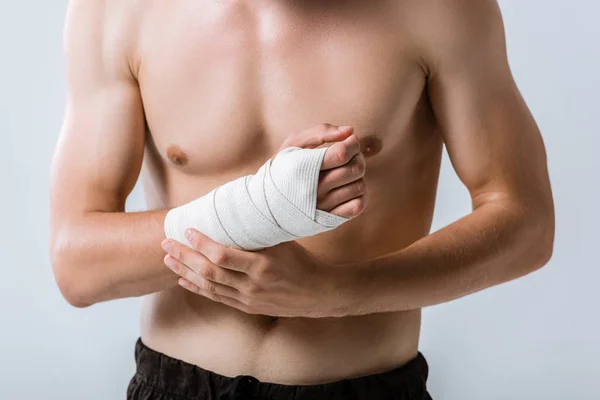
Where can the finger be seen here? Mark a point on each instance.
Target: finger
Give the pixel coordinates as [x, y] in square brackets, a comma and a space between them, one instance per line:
[342, 195]
[340, 176]
[219, 298]
[202, 267]
[222, 256]
[200, 281]
[184, 254]
[341, 153]
[352, 208]
[319, 135]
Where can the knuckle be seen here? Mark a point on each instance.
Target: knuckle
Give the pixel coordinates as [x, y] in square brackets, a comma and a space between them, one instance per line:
[354, 169]
[220, 258]
[251, 289]
[342, 154]
[195, 242]
[260, 271]
[250, 302]
[245, 299]
[325, 126]
[208, 274]
[210, 287]
[178, 254]
[358, 166]
[214, 297]
[265, 272]
[361, 186]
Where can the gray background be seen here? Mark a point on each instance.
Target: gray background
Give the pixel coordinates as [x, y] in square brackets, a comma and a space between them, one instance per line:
[535, 338]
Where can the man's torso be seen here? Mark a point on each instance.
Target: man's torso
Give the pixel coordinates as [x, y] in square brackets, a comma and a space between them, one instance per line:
[223, 84]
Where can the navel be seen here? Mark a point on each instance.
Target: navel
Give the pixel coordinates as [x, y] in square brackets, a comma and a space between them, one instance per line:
[177, 156]
[370, 145]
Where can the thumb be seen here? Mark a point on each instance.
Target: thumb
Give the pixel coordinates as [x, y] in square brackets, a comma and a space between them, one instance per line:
[319, 135]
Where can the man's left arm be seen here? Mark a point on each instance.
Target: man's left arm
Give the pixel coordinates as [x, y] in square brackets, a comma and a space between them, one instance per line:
[497, 151]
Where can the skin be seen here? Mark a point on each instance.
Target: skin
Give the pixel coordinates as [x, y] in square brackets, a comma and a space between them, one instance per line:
[195, 94]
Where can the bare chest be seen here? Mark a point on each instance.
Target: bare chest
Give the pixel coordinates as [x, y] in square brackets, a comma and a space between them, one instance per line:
[224, 84]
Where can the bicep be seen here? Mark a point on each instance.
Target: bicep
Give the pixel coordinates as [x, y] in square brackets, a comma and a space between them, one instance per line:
[100, 148]
[492, 139]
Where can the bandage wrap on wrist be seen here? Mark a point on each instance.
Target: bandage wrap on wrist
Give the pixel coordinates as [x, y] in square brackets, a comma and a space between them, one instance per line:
[277, 204]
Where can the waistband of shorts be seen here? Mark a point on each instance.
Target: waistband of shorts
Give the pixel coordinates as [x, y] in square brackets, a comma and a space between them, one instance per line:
[170, 375]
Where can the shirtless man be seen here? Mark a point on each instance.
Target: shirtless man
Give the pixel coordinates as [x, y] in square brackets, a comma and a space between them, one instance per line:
[195, 94]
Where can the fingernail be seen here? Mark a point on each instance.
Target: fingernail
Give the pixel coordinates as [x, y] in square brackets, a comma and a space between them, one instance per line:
[344, 128]
[170, 262]
[189, 234]
[182, 283]
[166, 245]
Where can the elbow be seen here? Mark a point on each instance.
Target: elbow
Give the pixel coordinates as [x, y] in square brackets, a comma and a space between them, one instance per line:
[69, 277]
[541, 240]
[547, 249]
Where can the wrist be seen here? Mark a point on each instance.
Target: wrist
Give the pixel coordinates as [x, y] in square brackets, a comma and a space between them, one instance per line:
[353, 291]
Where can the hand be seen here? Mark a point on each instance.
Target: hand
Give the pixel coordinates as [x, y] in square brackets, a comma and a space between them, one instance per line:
[284, 281]
[342, 188]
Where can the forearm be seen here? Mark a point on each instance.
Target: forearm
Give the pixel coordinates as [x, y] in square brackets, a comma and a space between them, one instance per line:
[492, 245]
[101, 256]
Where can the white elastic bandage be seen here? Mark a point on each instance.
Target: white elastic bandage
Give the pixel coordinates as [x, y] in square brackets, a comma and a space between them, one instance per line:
[277, 204]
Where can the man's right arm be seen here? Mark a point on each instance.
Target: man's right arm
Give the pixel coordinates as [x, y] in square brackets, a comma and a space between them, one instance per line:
[98, 251]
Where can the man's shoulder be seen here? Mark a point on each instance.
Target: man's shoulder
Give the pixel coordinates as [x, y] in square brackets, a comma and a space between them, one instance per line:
[449, 18]
[109, 29]
[452, 29]
[108, 15]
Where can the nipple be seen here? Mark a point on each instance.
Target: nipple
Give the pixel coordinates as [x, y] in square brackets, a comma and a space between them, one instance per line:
[177, 156]
[370, 145]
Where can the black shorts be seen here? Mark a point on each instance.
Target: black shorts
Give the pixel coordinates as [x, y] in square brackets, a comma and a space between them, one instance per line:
[160, 377]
